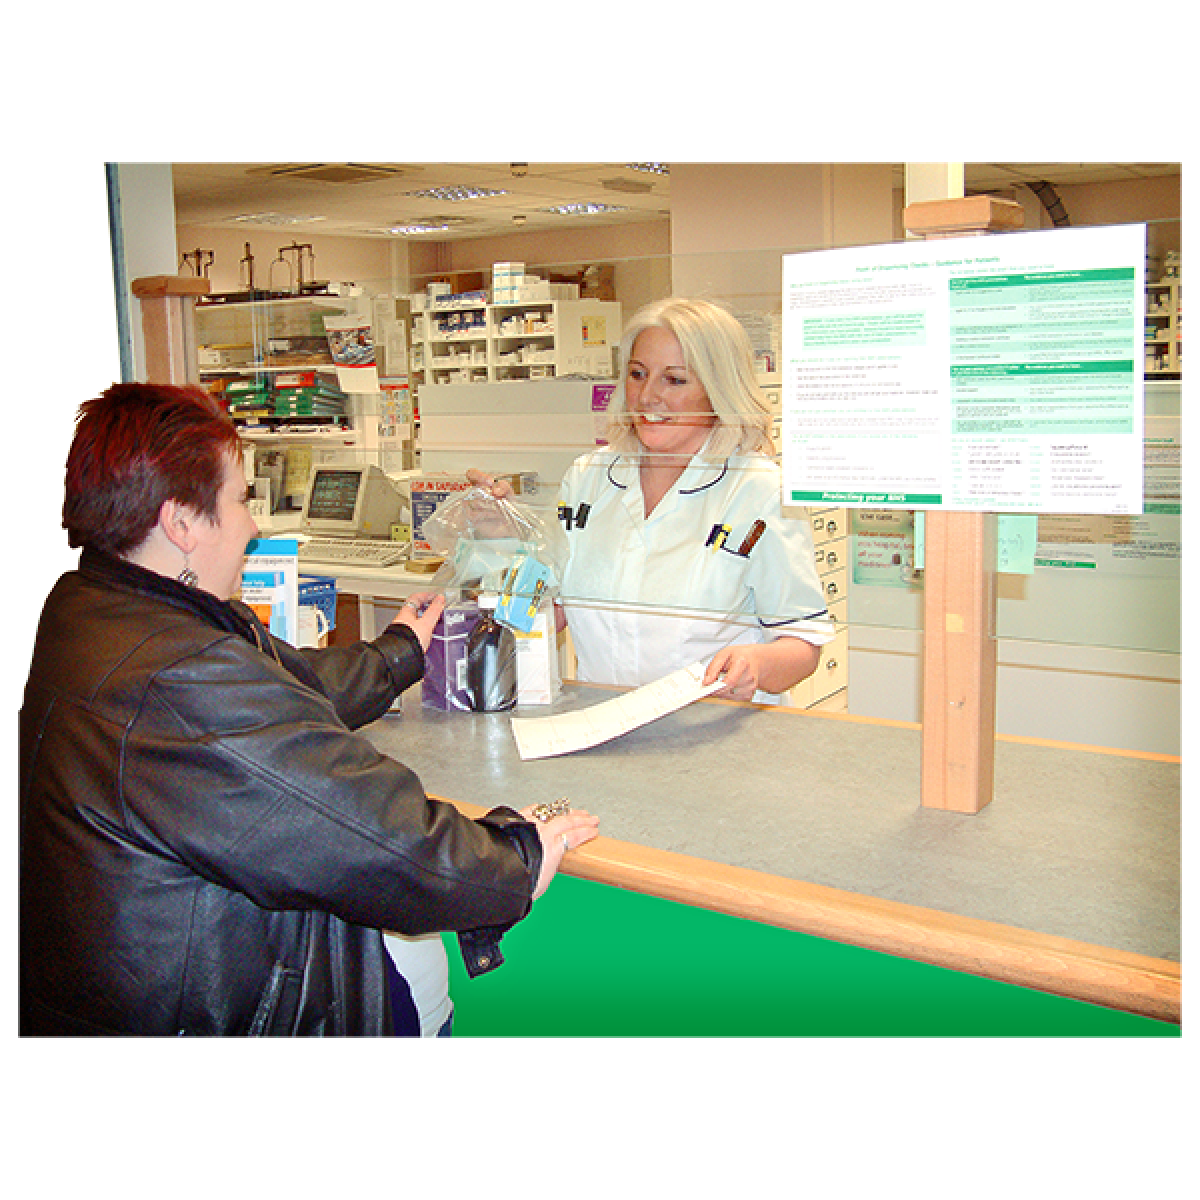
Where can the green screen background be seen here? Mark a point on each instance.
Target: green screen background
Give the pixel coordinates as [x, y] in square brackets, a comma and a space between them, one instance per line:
[598, 961]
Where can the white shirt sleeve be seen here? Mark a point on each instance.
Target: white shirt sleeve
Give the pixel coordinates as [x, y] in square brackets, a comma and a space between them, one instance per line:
[788, 597]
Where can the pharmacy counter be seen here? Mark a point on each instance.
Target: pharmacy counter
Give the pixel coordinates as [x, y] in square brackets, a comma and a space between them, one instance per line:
[1069, 882]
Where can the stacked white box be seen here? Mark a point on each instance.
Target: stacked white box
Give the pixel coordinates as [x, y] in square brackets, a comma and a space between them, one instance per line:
[507, 279]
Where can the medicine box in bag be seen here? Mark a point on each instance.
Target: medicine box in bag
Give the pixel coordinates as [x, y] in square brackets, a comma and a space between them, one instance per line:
[444, 685]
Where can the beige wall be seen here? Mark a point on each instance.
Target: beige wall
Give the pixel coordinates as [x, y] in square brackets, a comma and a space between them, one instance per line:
[730, 220]
[800, 206]
[1156, 201]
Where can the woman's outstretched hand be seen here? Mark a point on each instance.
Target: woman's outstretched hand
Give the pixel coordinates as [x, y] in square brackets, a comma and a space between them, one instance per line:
[560, 834]
[421, 613]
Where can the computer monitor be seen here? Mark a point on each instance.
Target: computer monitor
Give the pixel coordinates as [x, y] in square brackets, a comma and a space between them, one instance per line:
[356, 501]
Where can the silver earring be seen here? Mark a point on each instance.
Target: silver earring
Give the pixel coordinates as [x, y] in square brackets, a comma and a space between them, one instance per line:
[187, 576]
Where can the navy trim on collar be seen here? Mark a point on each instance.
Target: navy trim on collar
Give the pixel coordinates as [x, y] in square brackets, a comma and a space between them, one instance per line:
[682, 491]
[710, 483]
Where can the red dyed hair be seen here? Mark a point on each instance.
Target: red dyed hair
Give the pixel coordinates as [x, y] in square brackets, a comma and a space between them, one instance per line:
[136, 446]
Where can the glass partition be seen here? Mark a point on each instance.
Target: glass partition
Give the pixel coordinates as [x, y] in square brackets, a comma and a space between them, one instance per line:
[1094, 582]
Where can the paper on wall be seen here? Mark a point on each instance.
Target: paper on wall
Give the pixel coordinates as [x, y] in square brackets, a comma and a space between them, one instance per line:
[352, 348]
[545, 737]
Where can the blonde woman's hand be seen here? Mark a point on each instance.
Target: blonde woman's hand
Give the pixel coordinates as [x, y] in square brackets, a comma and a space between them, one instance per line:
[502, 490]
[738, 668]
[763, 666]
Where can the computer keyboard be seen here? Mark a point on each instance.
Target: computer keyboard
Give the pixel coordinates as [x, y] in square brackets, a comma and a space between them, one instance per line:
[352, 552]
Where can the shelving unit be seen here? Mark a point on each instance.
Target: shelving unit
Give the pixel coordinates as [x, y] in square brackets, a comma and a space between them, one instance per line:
[1164, 328]
[479, 342]
[260, 340]
[253, 331]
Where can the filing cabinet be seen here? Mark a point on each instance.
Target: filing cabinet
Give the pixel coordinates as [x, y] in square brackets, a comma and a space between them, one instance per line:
[827, 687]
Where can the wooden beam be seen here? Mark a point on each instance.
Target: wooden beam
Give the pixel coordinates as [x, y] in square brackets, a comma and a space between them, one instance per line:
[970, 215]
[169, 285]
[169, 326]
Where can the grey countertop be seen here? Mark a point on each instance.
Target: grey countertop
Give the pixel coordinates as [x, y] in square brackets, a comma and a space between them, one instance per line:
[1076, 843]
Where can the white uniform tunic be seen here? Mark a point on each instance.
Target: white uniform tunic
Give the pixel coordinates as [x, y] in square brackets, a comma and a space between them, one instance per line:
[646, 596]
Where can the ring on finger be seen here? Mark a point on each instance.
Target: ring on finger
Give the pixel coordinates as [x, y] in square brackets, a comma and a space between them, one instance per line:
[548, 810]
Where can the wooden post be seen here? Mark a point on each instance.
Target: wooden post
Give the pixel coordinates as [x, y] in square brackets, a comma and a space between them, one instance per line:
[169, 326]
[958, 708]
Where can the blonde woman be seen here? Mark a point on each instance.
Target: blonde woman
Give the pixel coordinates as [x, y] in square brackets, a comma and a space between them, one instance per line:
[680, 551]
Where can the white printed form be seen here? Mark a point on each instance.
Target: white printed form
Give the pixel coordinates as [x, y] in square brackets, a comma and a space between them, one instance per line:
[546, 737]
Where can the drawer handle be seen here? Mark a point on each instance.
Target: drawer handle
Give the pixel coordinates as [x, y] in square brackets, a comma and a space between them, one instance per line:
[831, 664]
[831, 558]
[831, 589]
[832, 526]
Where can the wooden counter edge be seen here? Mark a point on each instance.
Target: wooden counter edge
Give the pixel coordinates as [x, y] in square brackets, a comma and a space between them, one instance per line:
[1136, 983]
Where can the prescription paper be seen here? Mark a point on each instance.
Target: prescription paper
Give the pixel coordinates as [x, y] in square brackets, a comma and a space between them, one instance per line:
[546, 737]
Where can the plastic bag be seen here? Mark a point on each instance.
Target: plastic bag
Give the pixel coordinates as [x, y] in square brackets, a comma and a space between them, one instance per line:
[484, 539]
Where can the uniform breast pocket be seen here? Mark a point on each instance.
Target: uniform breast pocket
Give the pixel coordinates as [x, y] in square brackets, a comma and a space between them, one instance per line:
[719, 582]
[590, 575]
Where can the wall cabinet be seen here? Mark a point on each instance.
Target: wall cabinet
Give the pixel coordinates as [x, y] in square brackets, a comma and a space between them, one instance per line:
[1164, 327]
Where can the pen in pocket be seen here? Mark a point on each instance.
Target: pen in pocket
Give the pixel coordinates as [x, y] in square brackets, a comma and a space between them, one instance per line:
[751, 538]
[717, 535]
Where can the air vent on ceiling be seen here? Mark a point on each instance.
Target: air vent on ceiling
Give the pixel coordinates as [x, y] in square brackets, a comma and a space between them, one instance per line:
[636, 186]
[337, 172]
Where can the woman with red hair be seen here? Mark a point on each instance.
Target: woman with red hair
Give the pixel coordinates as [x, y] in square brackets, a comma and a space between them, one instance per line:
[207, 846]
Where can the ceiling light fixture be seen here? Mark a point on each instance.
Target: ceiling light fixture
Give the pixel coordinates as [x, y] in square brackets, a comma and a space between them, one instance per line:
[407, 230]
[455, 194]
[583, 210]
[273, 218]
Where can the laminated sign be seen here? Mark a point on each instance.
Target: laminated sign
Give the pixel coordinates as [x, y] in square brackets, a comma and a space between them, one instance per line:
[1001, 373]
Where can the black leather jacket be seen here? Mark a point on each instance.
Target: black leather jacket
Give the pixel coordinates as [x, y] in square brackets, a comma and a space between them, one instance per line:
[206, 847]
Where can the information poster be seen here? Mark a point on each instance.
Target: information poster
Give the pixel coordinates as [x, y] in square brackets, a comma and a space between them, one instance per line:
[1000, 373]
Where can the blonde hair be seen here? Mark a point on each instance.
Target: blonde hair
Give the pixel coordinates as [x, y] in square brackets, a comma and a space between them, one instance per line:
[716, 350]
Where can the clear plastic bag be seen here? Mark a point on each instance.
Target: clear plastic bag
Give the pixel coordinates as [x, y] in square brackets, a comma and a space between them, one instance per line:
[483, 538]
